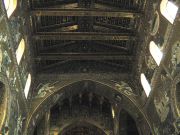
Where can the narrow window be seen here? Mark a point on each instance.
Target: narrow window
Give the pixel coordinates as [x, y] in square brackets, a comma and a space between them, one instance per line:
[10, 6]
[155, 52]
[20, 51]
[27, 85]
[155, 24]
[113, 113]
[145, 84]
[168, 10]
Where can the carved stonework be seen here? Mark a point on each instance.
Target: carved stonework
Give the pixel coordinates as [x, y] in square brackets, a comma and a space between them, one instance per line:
[18, 129]
[177, 125]
[122, 86]
[150, 62]
[174, 99]
[5, 101]
[1, 58]
[156, 130]
[162, 105]
[155, 24]
[176, 56]
[46, 88]
[6, 63]
[3, 37]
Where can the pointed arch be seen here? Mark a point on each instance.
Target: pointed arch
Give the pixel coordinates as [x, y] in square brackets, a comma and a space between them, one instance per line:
[145, 84]
[10, 6]
[169, 10]
[87, 123]
[56, 91]
[20, 51]
[27, 85]
[155, 52]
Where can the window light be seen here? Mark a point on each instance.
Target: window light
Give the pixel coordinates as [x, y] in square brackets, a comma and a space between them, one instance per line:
[20, 51]
[145, 84]
[155, 52]
[10, 6]
[27, 85]
[113, 113]
[168, 10]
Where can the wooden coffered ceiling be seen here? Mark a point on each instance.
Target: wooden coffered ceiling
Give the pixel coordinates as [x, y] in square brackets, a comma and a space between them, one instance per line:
[85, 36]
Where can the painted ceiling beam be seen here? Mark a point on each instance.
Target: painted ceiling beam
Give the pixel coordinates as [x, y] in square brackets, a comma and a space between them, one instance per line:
[83, 56]
[56, 26]
[82, 36]
[84, 12]
[110, 76]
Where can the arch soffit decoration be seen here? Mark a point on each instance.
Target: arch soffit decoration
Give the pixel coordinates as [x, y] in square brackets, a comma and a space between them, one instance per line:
[74, 123]
[119, 88]
[176, 80]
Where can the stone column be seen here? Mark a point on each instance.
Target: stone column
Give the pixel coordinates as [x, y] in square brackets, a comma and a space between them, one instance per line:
[47, 123]
[115, 114]
[123, 123]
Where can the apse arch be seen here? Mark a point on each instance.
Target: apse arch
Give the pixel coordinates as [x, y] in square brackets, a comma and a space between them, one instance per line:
[85, 123]
[113, 91]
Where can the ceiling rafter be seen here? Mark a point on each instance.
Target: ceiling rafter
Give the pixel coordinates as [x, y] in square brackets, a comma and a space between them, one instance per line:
[47, 48]
[82, 36]
[111, 45]
[83, 56]
[117, 27]
[110, 76]
[85, 12]
[55, 26]
[80, 33]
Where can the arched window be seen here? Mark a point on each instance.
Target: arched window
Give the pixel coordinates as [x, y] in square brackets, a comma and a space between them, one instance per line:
[10, 6]
[155, 24]
[155, 52]
[27, 85]
[145, 84]
[113, 113]
[168, 10]
[20, 51]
